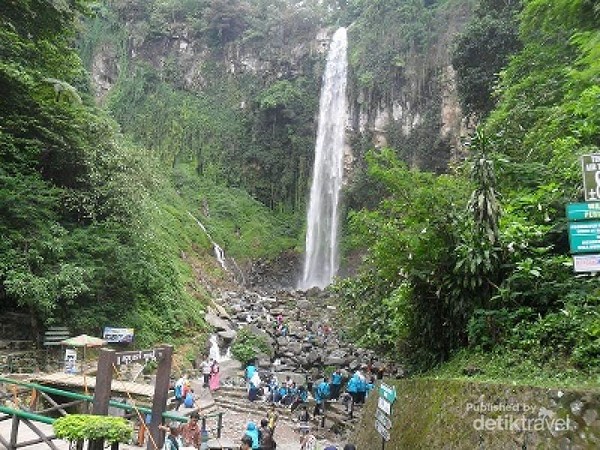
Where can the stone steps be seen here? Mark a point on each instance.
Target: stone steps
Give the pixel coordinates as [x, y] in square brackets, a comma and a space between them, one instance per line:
[336, 417]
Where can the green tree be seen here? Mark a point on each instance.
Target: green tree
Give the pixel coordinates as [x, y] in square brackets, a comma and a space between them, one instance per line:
[481, 52]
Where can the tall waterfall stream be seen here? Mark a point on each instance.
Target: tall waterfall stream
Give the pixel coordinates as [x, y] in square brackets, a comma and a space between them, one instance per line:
[321, 257]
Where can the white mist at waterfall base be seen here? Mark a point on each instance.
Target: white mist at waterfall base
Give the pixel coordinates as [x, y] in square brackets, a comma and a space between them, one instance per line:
[215, 351]
[321, 258]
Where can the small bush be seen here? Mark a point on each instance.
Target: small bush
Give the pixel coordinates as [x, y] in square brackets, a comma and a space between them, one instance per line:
[78, 427]
[247, 345]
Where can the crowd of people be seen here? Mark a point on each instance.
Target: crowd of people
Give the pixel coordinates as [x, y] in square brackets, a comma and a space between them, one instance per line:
[339, 386]
[289, 394]
[184, 393]
[348, 388]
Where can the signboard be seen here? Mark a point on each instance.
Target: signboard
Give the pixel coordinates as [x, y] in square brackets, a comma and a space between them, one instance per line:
[70, 360]
[583, 211]
[118, 335]
[586, 263]
[139, 355]
[385, 434]
[387, 392]
[584, 237]
[591, 177]
[384, 419]
[383, 423]
[384, 405]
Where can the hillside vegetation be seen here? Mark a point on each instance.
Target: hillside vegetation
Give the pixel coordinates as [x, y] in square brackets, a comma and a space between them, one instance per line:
[93, 227]
[478, 258]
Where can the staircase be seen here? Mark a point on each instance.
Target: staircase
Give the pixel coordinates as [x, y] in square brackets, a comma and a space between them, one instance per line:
[335, 427]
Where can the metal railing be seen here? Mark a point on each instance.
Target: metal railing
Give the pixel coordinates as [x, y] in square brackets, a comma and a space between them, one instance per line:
[22, 389]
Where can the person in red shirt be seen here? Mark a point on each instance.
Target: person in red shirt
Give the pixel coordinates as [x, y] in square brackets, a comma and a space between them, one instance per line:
[190, 432]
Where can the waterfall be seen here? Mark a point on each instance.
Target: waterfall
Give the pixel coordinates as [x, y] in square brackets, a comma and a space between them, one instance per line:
[215, 351]
[219, 253]
[321, 258]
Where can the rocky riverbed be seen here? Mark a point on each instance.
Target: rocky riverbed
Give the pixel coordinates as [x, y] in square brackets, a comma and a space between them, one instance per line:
[311, 340]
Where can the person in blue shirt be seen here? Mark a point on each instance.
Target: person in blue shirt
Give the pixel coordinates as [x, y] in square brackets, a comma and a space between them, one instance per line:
[352, 387]
[301, 398]
[252, 432]
[251, 387]
[272, 386]
[190, 399]
[290, 396]
[282, 392]
[361, 388]
[336, 384]
[250, 369]
[322, 393]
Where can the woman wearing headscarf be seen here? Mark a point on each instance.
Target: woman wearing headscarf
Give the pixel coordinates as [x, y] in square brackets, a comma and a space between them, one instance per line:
[252, 432]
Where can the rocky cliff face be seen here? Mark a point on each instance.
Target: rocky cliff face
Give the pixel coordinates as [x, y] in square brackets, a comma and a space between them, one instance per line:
[423, 96]
[183, 58]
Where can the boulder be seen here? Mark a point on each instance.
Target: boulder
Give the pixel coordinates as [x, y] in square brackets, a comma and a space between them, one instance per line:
[216, 322]
[227, 335]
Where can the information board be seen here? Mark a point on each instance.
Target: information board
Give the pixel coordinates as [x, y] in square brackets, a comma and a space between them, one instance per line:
[383, 422]
[586, 263]
[118, 335]
[583, 211]
[584, 237]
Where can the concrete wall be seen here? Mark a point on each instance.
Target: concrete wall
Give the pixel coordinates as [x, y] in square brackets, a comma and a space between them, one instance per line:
[435, 414]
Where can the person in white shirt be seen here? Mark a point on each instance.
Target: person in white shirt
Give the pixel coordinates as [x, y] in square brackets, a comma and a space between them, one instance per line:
[206, 369]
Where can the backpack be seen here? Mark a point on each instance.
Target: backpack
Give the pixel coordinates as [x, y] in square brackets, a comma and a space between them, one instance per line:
[171, 443]
[178, 391]
[266, 439]
[324, 390]
[189, 400]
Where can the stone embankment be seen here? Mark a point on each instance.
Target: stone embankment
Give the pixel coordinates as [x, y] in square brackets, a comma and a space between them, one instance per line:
[466, 415]
[18, 353]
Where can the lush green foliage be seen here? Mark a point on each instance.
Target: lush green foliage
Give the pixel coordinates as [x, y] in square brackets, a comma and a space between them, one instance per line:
[237, 222]
[495, 274]
[475, 257]
[244, 130]
[481, 51]
[411, 237]
[76, 202]
[248, 345]
[79, 427]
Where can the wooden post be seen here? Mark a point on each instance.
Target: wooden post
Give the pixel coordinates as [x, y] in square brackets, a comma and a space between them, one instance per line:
[14, 431]
[103, 382]
[219, 425]
[102, 390]
[161, 391]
